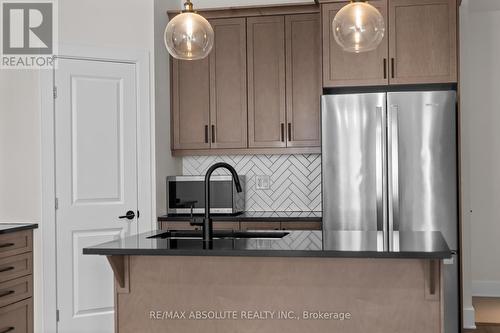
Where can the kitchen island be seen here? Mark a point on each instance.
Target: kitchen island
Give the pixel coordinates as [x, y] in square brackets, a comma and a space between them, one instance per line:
[277, 281]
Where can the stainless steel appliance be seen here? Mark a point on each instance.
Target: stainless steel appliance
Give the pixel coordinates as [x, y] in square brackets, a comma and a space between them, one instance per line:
[188, 192]
[389, 163]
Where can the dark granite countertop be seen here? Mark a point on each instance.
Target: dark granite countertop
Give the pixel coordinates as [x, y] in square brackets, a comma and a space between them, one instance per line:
[347, 244]
[254, 217]
[6, 228]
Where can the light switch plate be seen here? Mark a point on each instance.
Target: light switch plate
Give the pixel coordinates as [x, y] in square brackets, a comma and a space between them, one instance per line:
[262, 182]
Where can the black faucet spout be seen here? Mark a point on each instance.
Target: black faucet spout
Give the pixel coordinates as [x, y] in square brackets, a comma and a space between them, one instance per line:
[207, 222]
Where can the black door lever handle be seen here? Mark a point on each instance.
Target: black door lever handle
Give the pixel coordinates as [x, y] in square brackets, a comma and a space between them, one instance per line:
[129, 215]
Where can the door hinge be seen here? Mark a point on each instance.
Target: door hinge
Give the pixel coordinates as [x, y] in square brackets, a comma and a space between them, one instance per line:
[54, 91]
[56, 204]
[57, 315]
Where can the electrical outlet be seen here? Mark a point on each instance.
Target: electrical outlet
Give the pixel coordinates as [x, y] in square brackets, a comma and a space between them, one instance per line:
[262, 182]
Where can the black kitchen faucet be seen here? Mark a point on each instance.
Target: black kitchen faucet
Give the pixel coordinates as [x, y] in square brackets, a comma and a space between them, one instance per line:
[207, 221]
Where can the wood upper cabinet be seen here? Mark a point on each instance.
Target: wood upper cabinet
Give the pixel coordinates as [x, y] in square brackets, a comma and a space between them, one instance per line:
[228, 84]
[266, 81]
[419, 46]
[423, 41]
[259, 89]
[342, 68]
[303, 80]
[190, 104]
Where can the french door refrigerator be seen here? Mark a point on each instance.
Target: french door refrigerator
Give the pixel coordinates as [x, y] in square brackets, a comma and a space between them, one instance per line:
[389, 164]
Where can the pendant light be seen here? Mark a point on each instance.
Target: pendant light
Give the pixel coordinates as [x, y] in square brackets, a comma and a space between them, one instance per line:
[358, 27]
[189, 36]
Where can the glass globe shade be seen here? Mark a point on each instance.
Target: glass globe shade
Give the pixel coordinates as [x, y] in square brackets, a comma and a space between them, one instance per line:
[189, 36]
[358, 27]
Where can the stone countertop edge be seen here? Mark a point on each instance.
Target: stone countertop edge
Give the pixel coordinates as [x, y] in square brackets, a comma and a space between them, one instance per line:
[270, 253]
[9, 227]
[412, 245]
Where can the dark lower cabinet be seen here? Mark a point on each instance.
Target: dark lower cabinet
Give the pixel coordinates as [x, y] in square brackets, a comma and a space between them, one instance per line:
[16, 282]
[244, 225]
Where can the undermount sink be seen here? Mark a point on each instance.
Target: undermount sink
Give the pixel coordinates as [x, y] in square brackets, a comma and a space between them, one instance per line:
[197, 234]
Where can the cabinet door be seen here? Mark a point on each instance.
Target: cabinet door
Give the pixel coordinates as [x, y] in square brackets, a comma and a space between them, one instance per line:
[303, 79]
[228, 84]
[342, 68]
[423, 45]
[190, 104]
[266, 81]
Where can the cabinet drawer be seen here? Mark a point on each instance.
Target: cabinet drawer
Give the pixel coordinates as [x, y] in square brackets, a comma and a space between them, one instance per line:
[16, 243]
[16, 266]
[17, 317]
[301, 225]
[217, 225]
[16, 290]
[260, 225]
[226, 225]
[181, 225]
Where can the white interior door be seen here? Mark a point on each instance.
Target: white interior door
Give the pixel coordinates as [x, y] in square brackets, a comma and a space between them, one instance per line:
[96, 182]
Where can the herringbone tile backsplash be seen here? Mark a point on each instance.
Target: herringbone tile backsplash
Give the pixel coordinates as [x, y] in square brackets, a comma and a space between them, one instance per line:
[295, 180]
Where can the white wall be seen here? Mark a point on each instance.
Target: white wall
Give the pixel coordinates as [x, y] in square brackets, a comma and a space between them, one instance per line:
[19, 150]
[165, 164]
[481, 110]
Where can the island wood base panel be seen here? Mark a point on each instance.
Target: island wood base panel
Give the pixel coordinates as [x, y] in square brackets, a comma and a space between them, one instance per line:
[382, 295]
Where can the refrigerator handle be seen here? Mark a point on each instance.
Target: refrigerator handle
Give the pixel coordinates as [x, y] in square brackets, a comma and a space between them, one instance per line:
[381, 177]
[393, 172]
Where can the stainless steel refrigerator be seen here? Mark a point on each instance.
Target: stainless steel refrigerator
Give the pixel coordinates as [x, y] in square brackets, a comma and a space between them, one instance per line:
[389, 164]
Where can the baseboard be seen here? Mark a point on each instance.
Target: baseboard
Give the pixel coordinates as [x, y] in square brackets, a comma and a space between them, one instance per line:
[469, 318]
[486, 288]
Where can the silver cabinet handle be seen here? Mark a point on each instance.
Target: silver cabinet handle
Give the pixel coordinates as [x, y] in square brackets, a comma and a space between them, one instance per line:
[381, 177]
[393, 171]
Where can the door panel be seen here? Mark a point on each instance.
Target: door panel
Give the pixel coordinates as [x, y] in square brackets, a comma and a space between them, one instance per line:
[266, 81]
[190, 104]
[303, 80]
[423, 175]
[96, 181]
[423, 41]
[108, 136]
[228, 84]
[342, 68]
[352, 161]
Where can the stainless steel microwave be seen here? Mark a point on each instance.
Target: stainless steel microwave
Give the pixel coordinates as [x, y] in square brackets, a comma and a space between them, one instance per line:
[186, 192]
